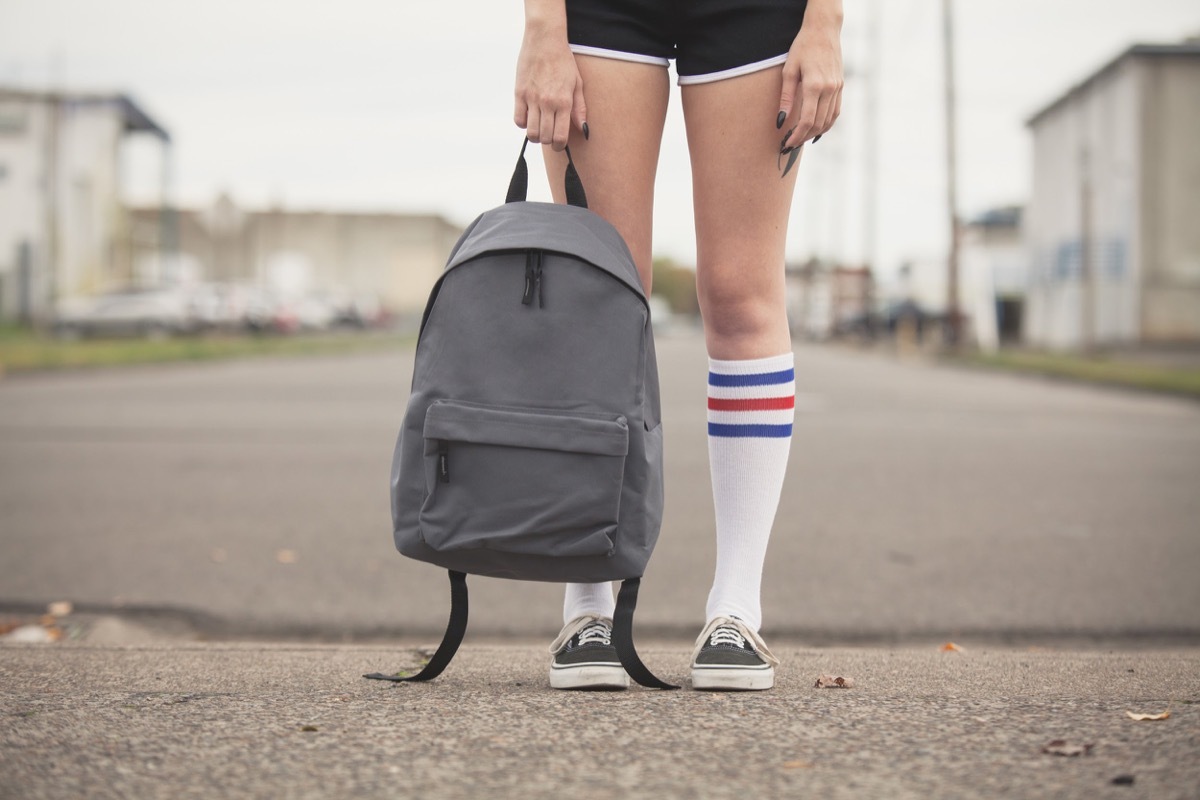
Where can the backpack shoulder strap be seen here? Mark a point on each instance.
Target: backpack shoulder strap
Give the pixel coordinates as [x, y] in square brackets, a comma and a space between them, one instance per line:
[450, 642]
[457, 627]
[623, 637]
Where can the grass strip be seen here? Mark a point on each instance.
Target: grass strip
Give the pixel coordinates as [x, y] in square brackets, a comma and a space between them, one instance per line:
[1102, 369]
[24, 352]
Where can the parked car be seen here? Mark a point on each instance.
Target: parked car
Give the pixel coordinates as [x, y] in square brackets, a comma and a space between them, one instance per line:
[233, 307]
[152, 312]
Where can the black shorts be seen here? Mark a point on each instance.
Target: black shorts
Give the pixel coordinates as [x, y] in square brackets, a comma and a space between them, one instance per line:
[710, 39]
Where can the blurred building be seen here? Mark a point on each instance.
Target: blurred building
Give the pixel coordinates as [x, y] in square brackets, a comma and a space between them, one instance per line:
[825, 300]
[994, 263]
[1113, 224]
[393, 257]
[62, 222]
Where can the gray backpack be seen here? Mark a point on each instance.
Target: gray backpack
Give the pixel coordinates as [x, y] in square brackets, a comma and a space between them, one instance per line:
[532, 446]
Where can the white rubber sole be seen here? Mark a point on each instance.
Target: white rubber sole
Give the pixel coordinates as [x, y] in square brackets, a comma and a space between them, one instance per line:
[588, 676]
[733, 679]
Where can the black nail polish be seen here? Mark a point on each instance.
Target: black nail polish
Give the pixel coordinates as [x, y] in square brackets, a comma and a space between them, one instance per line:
[586, 133]
[794, 154]
[786, 136]
[779, 120]
[817, 138]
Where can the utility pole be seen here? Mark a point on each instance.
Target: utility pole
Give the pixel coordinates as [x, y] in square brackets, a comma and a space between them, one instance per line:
[953, 317]
[1087, 310]
[43, 308]
[871, 137]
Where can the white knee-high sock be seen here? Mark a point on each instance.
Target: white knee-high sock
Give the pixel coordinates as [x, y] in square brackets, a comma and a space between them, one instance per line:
[751, 407]
[588, 598]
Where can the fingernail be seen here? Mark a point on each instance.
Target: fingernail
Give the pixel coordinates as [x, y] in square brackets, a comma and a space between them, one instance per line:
[817, 138]
[786, 136]
[779, 120]
[795, 154]
[587, 134]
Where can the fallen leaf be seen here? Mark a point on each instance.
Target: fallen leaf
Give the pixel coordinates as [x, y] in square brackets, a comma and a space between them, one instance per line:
[950, 647]
[286, 556]
[309, 729]
[1061, 747]
[1144, 717]
[834, 682]
[1123, 780]
[60, 608]
[797, 765]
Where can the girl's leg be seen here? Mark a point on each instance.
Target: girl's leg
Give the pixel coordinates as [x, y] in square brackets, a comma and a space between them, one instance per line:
[627, 106]
[742, 206]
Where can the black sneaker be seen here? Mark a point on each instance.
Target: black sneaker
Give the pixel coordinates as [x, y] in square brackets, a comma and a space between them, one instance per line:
[730, 656]
[584, 657]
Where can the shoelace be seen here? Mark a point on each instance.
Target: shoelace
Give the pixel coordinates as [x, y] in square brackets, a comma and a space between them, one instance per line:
[595, 633]
[727, 634]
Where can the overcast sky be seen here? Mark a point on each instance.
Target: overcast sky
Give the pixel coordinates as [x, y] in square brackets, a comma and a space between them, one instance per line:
[385, 105]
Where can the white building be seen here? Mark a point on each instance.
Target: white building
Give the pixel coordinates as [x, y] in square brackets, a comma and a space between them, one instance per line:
[393, 257]
[1113, 225]
[62, 222]
[994, 274]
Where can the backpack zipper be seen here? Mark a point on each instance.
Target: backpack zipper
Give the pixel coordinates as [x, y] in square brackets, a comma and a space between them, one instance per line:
[533, 278]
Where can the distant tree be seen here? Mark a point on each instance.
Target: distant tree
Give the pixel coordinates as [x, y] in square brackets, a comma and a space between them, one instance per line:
[676, 285]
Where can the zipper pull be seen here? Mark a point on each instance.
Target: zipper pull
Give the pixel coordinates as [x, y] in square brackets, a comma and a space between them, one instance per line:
[537, 279]
[530, 278]
[443, 461]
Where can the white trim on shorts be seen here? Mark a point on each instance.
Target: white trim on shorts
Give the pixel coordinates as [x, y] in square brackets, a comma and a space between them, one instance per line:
[620, 55]
[733, 72]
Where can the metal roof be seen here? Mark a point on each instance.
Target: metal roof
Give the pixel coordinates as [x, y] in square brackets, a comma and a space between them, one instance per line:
[134, 118]
[1190, 47]
[1002, 217]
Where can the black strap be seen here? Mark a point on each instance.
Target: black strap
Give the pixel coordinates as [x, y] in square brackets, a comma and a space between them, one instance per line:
[623, 637]
[518, 187]
[450, 642]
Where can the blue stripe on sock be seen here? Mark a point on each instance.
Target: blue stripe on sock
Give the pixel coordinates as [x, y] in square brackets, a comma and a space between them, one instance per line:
[757, 379]
[745, 431]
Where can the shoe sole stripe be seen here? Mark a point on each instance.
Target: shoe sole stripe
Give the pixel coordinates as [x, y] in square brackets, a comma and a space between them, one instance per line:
[581, 664]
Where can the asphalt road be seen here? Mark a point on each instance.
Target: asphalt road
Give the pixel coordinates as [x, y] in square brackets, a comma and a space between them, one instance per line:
[250, 497]
[219, 720]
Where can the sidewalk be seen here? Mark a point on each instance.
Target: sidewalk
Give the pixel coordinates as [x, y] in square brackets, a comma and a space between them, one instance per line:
[252, 720]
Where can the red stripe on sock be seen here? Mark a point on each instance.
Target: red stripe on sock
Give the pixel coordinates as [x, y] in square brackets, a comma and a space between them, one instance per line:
[751, 403]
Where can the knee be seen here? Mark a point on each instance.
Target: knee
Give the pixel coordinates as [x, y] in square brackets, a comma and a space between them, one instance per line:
[738, 308]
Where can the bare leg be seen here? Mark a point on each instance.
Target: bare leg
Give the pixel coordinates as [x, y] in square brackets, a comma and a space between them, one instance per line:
[627, 106]
[742, 206]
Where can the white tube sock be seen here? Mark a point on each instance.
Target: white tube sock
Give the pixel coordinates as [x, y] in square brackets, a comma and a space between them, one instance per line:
[588, 598]
[751, 407]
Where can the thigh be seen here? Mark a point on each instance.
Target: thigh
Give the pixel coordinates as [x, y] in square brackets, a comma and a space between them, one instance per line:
[626, 108]
[741, 202]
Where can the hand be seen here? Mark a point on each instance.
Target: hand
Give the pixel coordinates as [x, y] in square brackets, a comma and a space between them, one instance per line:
[812, 81]
[549, 92]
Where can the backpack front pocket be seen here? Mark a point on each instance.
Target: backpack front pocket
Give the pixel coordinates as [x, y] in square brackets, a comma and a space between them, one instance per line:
[528, 481]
